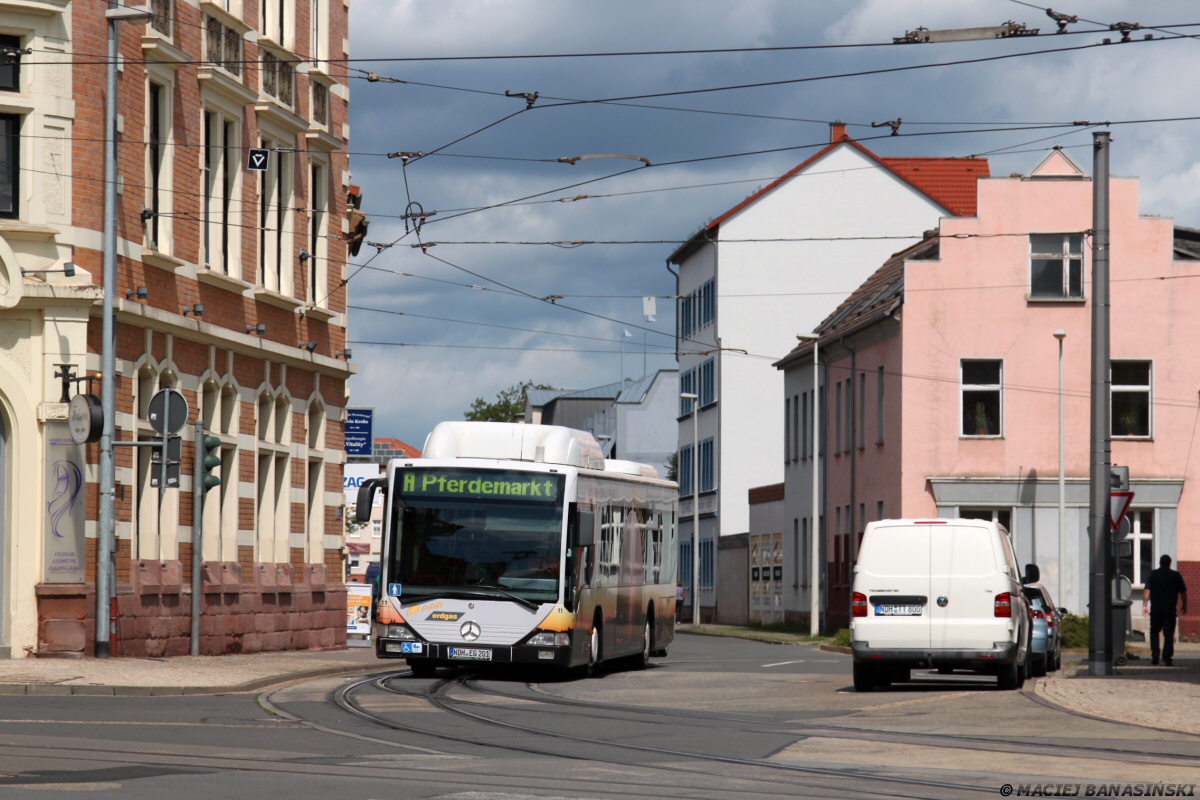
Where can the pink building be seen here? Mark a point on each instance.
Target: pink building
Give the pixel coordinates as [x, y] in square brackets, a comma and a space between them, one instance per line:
[940, 389]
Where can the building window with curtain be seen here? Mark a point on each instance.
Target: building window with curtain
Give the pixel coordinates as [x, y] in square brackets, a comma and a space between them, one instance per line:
[1131, 398]
[1056, 266]
[982, 388]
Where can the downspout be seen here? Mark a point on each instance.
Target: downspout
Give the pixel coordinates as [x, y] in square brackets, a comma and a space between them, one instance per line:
[676, 274]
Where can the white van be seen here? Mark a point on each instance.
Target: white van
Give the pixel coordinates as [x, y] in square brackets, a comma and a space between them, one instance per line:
[940, 593]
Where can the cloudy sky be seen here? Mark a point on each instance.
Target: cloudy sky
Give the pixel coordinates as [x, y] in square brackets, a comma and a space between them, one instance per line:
[434, 327]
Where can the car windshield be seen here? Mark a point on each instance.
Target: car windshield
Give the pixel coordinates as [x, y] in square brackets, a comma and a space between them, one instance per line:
[482, 532]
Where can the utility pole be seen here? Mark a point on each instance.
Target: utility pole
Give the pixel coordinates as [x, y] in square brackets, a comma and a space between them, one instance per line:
[1100, 647]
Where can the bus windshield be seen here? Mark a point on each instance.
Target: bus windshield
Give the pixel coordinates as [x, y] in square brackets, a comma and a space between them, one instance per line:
[480, 532]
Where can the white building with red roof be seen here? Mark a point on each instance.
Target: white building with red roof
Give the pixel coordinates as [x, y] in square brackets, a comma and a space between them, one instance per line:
[756, 276]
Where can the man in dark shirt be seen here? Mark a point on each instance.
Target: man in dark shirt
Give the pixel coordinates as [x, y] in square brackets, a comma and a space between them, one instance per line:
[1164, 589]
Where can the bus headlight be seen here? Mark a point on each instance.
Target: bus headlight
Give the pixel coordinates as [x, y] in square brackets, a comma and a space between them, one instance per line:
[550, 639]
[401, 632]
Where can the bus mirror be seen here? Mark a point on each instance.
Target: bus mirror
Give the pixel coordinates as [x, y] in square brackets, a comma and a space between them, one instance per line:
[583, 532]
[366, 499]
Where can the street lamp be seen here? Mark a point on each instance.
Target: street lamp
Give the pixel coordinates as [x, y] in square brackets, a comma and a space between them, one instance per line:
[1062, 479]
[106, 543]
[695, 505]
[814, 581]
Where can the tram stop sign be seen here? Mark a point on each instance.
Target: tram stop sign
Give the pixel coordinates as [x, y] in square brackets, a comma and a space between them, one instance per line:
[168, 412]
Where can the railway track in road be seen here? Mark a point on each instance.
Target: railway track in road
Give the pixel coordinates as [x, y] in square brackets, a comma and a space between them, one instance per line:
[474, 710]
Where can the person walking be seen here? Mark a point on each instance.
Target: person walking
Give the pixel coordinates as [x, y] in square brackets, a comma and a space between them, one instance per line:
[1164, 591]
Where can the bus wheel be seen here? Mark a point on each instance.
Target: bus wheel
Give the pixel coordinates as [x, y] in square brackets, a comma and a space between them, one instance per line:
[424, 668]
[642, 659]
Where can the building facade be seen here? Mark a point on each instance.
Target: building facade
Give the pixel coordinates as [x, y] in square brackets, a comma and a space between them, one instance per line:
[751, 280]
[941, 396]
[232, 183]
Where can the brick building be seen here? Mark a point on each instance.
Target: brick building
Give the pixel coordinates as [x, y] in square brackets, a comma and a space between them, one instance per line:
[229, 289]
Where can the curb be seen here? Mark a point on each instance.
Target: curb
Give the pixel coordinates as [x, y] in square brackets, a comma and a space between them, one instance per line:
[93, 690]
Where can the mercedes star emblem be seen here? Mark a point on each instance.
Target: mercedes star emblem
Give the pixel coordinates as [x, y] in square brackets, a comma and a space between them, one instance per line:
[470, 631]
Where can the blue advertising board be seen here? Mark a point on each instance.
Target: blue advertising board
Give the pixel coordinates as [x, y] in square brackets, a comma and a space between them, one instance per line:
[359, 422]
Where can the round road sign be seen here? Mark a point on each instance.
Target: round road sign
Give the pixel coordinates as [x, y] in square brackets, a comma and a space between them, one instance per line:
[168, 412]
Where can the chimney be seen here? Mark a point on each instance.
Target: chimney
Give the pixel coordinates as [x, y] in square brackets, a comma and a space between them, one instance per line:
[837, 132]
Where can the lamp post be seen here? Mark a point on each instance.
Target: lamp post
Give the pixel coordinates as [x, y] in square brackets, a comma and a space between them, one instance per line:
[1062, 479]
[814, 580]
[106, 542]
[695, 505]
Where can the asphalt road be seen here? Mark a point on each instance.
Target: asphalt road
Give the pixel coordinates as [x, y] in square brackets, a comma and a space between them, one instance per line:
[718, 718]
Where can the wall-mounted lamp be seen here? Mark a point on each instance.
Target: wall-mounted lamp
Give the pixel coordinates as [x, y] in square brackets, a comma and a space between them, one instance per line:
[343, 354]
[260, 328]
[141, 293]
[148, 214]
[309, 346]
[68, 270]
[304, 255]
[196, 310]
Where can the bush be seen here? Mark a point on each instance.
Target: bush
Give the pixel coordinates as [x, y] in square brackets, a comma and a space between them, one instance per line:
[842, 637]
[1075, 631]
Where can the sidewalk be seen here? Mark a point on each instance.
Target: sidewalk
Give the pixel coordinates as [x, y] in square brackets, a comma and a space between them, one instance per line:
[180, 675]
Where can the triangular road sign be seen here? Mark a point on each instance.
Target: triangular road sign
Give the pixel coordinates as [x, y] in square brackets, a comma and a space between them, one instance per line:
[1119, 507]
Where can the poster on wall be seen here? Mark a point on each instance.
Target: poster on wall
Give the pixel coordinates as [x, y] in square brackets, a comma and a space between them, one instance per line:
[358, 614]
[64, 507]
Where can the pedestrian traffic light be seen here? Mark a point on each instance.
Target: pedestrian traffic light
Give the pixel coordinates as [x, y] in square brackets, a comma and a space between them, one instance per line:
[212, 446]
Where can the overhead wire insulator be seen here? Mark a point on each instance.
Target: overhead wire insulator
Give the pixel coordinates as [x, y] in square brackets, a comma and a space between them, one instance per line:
[529, 97]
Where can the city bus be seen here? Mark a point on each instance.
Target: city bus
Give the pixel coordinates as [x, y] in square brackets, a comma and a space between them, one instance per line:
[521, 544]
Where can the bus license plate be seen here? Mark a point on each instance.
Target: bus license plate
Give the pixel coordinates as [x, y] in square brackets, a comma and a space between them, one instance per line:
[471, 653]
[898, 611]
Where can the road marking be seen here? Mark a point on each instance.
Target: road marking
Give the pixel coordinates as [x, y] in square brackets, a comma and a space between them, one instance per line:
[783, 663]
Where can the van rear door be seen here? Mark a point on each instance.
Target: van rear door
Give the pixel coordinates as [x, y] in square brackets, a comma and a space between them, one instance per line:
[965, 580]
[893, 573]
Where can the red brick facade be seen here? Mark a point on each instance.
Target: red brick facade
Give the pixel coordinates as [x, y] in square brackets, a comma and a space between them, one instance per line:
[258, 601]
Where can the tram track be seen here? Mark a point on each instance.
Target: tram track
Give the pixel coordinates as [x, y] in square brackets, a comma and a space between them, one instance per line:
[437, 694]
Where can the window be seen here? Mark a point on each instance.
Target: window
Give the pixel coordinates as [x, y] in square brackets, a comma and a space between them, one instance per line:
[10, 160]
[706, 564]
[1056, 265]
[787, 429]
[849, 443]
[685, 470]
[1001, 515]
[862, 410]
[10, 68]
[221, 164]
[278, 78]
[878, 509]
[318, 229]
[697, 309]
[981, 397]
[707, 466]
[1138, 566]
[157, 123]
[687, 385]
[804, 426]
[275, 207]
[796, 423]
[1130, 398]
[837, 413]
[320, 104]
[706, 378]
[879, 406]
[223, 45]
[377, 529]
[277, 20]
[164, 14]
[320, 37]
[685, 564]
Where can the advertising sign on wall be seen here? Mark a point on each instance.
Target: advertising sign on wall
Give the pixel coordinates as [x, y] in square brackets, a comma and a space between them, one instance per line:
[359, 422]
[352, 477]
[64, 507]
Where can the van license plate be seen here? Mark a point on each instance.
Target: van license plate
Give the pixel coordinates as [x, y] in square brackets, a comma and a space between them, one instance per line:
[898, 611]
[471, 654]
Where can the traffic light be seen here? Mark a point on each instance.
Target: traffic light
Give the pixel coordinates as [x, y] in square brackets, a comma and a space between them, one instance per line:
[212, 445]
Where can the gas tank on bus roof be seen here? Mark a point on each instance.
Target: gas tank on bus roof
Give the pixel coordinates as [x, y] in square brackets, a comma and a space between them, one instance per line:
[550, 444]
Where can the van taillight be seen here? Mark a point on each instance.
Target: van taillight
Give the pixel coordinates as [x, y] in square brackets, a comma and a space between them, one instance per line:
[1004, 605]
[859, 604]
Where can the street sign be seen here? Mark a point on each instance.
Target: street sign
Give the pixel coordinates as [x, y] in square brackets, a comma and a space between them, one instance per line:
[358, 435]
[85, 418]
[174, 450]
[168, 411]
[170, 473]
[1119, 507]
[257, 160]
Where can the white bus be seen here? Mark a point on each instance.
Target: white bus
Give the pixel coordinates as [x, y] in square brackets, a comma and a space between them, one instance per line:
[508, 543]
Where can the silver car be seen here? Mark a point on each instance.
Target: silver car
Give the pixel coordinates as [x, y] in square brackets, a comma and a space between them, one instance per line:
[1047, 630]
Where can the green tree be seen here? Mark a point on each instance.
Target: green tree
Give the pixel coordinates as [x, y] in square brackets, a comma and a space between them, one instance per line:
[507, 405]
[673, 466]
